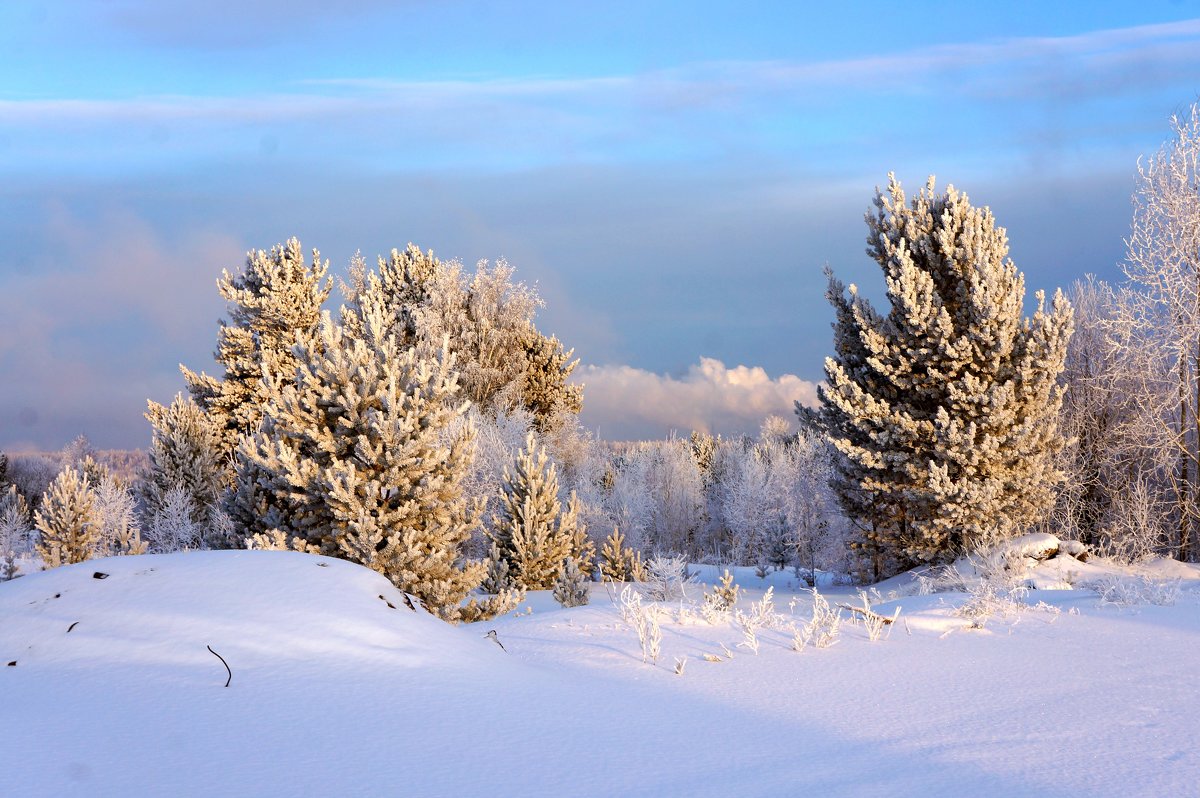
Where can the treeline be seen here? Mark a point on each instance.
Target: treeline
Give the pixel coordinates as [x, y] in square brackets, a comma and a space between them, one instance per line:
[429, 430]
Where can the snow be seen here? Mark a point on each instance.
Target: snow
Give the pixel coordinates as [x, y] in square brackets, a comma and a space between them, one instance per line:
[334, 692]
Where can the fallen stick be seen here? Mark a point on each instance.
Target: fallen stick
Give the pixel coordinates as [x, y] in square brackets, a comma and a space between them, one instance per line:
[868, 613]
[223, 662]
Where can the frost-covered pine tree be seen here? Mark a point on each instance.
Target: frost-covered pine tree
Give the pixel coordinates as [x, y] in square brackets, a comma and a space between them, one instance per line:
[943, 411]
[349, 462]
[618, 562]
[532, 532]
[275, 296]
[545, 391]
[570, 588]
[504, 363]
[187, 451]
[68, 528]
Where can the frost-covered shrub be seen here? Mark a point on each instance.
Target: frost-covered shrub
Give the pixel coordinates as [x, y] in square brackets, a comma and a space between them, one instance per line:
[187, 450]
[822, 629]
[120, 532]
[31, 475]
[643, 618]
[722, 599]
[172, 526]
[667, 578]
[533, 531]
[1130, 591]
[14, 534]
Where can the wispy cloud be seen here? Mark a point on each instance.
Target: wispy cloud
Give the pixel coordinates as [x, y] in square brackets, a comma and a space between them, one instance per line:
[626, 403]
[1119, 60]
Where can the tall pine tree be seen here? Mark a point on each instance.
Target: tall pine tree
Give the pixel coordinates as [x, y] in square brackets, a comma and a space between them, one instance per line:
[943, 411]
[276, 296]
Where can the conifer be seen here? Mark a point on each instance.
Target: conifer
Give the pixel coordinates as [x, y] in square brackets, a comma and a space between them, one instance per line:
[532, 532]
[943, 411]
[67, 522]
[349, 462]
[276, 296]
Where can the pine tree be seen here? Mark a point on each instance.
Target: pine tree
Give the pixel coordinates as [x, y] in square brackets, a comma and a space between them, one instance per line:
[503, 361]
[582, 549]
[186, 450]
[619, 563]
[276, 296]
[532, 532]
[348, 462]
[570, 588]
[943, 412]
[546, 393]
[67, 520]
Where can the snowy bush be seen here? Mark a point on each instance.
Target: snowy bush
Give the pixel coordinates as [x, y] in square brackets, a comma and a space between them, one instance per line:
[667, 578]
[120, 532]
[533, 531]
[14, 535]
[643, 619]
[1130, 591]
[721, 601]
[173, 526]
[618, 562]
[822, 629]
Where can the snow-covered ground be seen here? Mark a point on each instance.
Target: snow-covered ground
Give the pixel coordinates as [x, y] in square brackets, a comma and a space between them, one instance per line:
[338, 688]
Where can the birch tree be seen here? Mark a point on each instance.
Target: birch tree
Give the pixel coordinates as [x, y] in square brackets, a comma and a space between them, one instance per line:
[1158, 319]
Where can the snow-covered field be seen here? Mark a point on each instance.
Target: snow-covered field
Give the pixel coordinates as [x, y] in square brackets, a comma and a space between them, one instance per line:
[338, 688]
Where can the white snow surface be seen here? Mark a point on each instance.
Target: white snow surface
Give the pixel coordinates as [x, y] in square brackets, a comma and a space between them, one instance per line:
[333, 692]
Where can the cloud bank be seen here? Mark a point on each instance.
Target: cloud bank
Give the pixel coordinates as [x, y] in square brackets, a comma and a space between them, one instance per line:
[627, 403]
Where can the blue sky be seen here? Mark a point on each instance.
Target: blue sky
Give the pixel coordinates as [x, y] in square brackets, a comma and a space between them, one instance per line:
[673, 176]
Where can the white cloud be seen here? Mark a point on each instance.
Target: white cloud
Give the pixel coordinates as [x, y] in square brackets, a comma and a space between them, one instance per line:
[626, 403]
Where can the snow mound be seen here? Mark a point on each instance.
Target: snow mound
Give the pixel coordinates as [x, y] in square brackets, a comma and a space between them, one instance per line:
[266, 613]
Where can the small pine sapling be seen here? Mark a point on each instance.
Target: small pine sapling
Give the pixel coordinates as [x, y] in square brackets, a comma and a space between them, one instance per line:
[619, 563]
[571, 588]
[498, 578]
[67, 520]
[723, 596]
[532, 531]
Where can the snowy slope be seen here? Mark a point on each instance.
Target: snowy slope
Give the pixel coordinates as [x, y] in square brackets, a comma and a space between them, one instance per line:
[335, 693]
